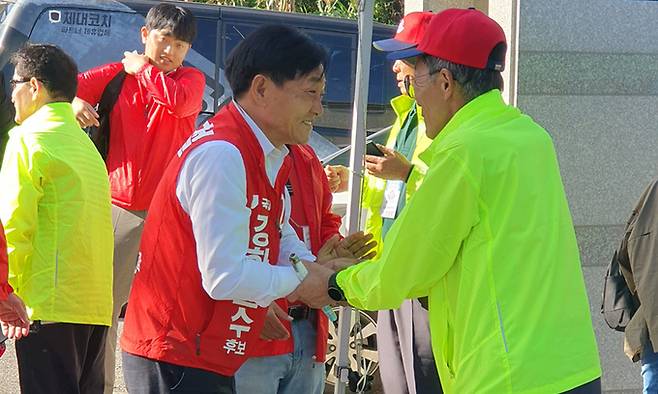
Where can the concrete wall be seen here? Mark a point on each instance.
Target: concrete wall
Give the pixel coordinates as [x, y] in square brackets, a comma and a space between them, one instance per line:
[588, 72]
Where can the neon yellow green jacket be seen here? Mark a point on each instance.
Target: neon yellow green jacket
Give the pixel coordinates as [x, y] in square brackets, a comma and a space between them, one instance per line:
[489, 238]
[373, 187]
[55, 206]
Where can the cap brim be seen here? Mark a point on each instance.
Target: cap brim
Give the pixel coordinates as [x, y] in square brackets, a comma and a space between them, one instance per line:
[391, 44]
[404, 54]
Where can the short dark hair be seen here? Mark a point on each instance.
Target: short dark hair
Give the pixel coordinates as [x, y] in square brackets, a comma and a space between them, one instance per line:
[472, 81]
[280, 52]
[51, 66]
[176, 19]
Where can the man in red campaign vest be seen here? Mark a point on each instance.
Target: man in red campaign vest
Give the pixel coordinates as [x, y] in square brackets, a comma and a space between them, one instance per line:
[216, 243]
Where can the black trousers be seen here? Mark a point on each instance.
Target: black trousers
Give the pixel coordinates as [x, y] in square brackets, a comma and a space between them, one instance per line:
[593, 387]
[62, 358]
[146, 376]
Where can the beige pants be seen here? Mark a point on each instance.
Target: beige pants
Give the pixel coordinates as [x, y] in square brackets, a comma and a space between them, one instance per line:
[128, 226]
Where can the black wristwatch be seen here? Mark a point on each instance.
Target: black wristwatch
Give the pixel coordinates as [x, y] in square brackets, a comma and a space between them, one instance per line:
[335, 292]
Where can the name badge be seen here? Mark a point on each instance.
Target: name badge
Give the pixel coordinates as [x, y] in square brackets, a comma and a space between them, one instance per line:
[391, 199]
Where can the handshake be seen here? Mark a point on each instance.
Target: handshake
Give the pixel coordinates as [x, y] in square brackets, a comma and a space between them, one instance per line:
[335, 255]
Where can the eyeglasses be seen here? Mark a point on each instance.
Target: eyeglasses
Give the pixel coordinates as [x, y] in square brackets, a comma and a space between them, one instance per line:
[15, 82]
[413, 81]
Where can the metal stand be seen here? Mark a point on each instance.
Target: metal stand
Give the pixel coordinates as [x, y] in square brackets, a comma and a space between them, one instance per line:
[359, 113]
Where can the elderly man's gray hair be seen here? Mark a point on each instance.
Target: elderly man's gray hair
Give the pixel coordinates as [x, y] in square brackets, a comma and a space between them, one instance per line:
[472, 81]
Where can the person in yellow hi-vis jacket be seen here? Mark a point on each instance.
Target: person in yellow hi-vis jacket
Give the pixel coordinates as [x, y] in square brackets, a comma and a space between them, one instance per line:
[406, 363]
[55, 206]
[488, 236]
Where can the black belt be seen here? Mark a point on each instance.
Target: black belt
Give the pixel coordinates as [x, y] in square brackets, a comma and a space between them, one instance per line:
[300, 312]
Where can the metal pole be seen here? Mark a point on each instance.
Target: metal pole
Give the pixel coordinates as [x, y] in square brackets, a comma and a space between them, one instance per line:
[359, 113]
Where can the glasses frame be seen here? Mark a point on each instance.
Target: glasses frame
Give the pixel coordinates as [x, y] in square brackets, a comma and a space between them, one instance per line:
[411, 81]
[15, 82]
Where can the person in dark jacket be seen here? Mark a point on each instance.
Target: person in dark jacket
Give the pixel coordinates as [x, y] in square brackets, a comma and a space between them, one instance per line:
[638, 260]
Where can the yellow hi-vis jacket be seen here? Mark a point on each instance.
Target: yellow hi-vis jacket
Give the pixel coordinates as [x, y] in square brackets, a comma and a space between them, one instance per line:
[55, 206]
[373, 187]
[489, 238]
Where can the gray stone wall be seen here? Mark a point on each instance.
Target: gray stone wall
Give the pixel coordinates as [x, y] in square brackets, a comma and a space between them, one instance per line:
[588, 72]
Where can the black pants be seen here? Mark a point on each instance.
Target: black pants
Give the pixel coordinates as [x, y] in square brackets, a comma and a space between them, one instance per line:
[593, 387]
[62, 358]
[146, 376]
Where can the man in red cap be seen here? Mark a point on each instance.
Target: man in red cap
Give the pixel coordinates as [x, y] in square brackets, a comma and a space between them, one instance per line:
[406, 363]
[488, 236]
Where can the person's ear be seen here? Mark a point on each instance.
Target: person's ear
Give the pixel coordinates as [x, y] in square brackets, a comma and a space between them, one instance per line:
[258, 90]
[446, 83]
[144, 32]
[36, 87]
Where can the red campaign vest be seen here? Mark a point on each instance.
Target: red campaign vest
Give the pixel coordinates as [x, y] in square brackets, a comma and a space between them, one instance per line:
[171, 318]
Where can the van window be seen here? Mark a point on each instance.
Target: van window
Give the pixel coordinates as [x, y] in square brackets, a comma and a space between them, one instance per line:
[233, 34]
[202, 55]
[382, 82]
[91, 37]
[340, 67]
[96, 37]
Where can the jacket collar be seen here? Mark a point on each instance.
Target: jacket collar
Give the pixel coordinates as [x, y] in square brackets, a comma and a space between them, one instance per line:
[268, 148]
[402, 105]
[483, 106]
[52, 112]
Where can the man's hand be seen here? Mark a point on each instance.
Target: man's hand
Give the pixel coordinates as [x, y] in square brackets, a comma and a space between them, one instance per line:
[340, 263]
[328, 250]
[13, 317]
[85, 113]
[273, 328]
[133, 61]
[393, 165]
[313, 289]
[358, 246]
[337, 177]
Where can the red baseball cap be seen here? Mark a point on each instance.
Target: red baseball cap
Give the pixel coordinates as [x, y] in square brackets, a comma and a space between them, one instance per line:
[462, 36]
[410, 31]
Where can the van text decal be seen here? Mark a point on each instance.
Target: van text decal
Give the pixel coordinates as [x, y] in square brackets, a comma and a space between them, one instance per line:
[82, 22]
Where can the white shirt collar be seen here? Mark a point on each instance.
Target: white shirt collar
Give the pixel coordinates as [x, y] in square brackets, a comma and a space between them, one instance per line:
[268, 148]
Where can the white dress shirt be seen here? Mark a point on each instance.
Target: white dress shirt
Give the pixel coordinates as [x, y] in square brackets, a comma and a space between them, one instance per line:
[212, 189]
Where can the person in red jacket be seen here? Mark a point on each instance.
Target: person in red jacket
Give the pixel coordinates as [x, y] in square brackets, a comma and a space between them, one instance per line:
[291, 355]
[13, 316]
[155, 112]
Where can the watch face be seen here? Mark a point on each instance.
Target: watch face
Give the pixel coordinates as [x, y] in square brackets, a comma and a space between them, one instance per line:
[335, 294]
